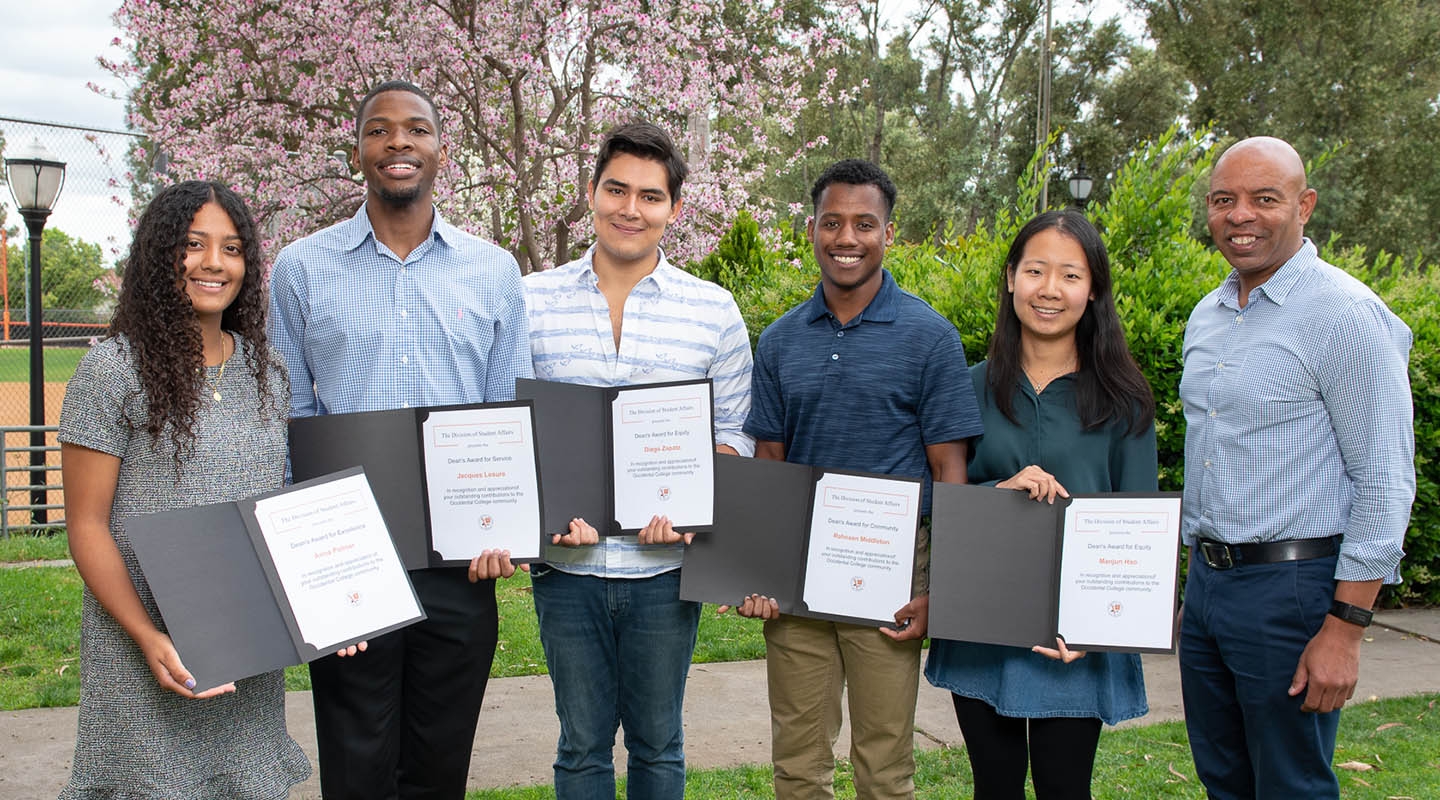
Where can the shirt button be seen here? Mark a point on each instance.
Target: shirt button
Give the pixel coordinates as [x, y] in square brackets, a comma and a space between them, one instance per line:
[1213, 412]
[404, 405]
[1239, 318]
[834, 356]
[1207, 463]
[404, 359]
[840, 334]
[1220, 365]
[404, 313]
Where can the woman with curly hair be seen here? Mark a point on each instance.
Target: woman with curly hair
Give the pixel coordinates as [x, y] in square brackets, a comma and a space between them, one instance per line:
[183, 404]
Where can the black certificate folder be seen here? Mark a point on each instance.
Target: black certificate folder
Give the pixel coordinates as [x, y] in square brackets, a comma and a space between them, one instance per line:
[616, 456]
[778, 535]
[224, 603]
[451, 481]
[1098, 570]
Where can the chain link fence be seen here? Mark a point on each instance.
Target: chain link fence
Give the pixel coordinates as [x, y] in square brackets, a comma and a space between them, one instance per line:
[85, 237]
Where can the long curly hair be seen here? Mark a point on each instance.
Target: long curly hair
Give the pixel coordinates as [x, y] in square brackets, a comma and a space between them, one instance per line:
[155, 314]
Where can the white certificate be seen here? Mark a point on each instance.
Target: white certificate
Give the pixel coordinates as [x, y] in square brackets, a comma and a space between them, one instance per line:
[481, 482]
[335, 561]
[862, 546]
[664, 455]
[1117, 571]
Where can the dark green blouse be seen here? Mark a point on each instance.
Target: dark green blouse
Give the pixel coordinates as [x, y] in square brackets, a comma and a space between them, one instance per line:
[1050, 436]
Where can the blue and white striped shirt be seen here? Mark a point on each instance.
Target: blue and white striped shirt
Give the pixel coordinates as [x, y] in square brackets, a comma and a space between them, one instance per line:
[676, 327]
[364, 330]
[1300, 416]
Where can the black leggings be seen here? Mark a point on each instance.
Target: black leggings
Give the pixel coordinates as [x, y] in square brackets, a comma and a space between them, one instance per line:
[1061, 752]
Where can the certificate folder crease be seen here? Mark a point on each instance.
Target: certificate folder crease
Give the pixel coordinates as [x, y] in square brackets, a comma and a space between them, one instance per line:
[1008, 570]
[218, 592]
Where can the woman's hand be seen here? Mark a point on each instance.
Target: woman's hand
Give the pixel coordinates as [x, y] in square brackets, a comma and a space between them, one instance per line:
[1060, 652]
[1040, 484]
[165, 665]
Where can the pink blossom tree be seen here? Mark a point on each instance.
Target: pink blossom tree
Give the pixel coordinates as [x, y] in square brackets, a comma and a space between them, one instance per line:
[262, 93]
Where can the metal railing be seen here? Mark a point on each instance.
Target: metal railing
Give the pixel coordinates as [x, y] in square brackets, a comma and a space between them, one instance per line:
[24, 470]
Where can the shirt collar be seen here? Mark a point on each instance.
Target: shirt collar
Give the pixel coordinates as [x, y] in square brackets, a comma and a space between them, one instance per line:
[883, 306]
[662, 280]
[359, 228]
[1279, 285]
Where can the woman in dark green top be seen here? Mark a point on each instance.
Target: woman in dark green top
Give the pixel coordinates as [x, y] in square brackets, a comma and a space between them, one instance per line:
[1065, 410]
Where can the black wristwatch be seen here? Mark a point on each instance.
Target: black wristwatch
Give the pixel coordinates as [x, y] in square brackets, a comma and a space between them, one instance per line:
[1355, 615]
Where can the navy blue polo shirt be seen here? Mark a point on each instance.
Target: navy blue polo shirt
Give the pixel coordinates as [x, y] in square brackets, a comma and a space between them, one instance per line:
[868, 395]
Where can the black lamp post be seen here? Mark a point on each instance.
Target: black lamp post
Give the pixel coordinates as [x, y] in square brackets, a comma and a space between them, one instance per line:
[35, 178]
[1081, 185]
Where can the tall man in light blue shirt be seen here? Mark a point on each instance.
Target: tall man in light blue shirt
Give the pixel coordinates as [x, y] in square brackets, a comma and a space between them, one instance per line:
[1299, 476]
[395, 308]
[617, 637]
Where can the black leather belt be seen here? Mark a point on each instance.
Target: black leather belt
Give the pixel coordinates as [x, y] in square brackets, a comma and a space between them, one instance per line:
[1219, 555]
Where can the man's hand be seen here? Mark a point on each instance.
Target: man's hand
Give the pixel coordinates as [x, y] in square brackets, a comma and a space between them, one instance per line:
[913, 619]
[1329, 667]
[491, 564]
[660, 531]
[756, 606]
[580, 533]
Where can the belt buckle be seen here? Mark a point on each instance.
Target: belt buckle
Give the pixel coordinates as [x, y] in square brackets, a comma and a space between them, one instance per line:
[1208, 551]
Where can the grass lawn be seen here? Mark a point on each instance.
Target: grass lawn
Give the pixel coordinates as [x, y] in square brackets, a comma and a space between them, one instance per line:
[26, 547]
[40, 630]
[1387, 750]
[39, 637]
[59, 363]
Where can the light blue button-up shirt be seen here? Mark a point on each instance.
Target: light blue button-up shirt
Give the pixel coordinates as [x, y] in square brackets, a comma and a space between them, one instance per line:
[364, 330]
[676, 327]
[1300, 418]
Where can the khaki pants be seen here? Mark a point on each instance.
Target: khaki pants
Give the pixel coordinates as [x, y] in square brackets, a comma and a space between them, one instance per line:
[808, 663]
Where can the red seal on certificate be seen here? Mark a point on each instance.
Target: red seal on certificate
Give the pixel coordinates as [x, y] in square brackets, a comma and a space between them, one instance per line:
[1115, 608]
[663, 492]
[487, 522]
[857, 583]
[352, 597]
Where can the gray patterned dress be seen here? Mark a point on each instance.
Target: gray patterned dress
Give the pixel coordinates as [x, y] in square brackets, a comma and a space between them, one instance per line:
[135, 739]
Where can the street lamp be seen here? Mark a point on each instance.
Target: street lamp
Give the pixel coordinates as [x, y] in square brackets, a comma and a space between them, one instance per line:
[35, 177]
[1080, 186]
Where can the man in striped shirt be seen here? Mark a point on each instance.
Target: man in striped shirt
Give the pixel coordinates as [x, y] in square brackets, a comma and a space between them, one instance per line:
[617, 638]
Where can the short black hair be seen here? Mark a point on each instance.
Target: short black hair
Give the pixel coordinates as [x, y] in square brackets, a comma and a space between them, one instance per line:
[855, 172]
[648, 141]
[395, 86]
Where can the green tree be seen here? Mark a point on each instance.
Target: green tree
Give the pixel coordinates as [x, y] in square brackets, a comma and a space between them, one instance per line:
[1358, 78]
[69, 270]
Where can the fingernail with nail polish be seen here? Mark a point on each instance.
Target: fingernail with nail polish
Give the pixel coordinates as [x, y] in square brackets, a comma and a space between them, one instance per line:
[189, 683]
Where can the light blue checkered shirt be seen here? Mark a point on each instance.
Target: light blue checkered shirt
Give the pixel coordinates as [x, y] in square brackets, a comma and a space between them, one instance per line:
[1299, 417]
[676, 327]
[364, 330]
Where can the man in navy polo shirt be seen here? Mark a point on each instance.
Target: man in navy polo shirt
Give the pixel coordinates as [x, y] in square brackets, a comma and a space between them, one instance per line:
[862, 376]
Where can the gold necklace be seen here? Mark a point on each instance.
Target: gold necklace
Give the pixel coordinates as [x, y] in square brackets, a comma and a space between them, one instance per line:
[1045, 379]
[220, 376]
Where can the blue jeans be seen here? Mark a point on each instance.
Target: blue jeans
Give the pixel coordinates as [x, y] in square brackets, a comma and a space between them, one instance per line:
[1240, 641]
[618, 652]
